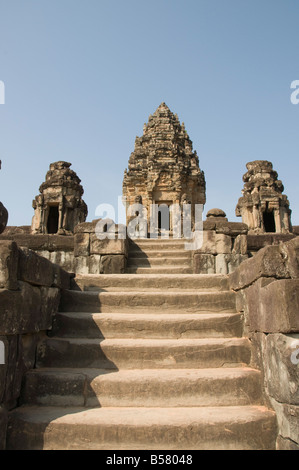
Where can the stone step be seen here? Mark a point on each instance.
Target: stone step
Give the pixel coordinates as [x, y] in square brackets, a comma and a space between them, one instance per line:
[143, 388]
[182, 301]
[157, 242]
[121, 282]
[144, 325]
[143, 353]
[161, 246]
[198, 428]
[159, 270]
[170, 254]
[165, 261]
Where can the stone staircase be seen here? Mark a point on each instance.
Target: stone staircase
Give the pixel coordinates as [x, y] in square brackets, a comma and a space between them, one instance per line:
[159, 256]
[144, 362]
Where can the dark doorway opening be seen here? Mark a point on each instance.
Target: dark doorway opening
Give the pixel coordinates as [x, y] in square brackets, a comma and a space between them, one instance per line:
[269, 222]
[53, 217]
[163, 217]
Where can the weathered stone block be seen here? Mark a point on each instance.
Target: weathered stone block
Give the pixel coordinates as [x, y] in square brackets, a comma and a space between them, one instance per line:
[214, 243]
[60, 243]
[248, 301]
[34, 242]
[44, 253]
[28, 347]
[95, 264]
[281, 359]
[9, 256]
[234, 260]
[240, 245]
[272, 307]
[13, 371]
[203, 264]
[35, 269]
[279, 306]
[3, 427]
[231, 228]
[113, 264]
[228, 263]
[268, 262]
[258, 241]
[65, 259]
[19, 310]
[221, 266]
[50, 298]
[86, 227]
[62, 278]
[107, 247]
[286, 444]
[81, 244]
[288, 420]
[290, 251]
[3, 366]
[82, 264]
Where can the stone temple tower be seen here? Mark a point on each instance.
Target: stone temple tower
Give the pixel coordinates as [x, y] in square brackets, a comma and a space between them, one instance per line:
[164, 169]
[59, 206]
[263, 207]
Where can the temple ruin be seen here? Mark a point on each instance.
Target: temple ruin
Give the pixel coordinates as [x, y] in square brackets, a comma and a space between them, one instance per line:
[59, 206]
[263, 207]
[163, 170]
[114, 343]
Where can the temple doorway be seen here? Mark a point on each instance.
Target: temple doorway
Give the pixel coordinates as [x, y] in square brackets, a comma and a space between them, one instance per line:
[53, 218]
[269, 221]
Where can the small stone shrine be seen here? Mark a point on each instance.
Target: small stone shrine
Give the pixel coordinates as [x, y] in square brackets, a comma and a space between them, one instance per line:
[59, 206]
[263, 207]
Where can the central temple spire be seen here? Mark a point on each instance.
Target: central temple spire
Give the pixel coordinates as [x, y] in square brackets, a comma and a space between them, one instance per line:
[164, 169]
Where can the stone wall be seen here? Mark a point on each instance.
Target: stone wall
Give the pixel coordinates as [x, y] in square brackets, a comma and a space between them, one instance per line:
[268, 294]
[224, 245]
[81, 253]
[93, 255]
[30, 289]
[58, 249]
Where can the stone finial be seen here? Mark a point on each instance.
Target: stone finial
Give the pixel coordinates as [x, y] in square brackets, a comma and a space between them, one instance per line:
[263, 207]
[216, 213]
[59, 206]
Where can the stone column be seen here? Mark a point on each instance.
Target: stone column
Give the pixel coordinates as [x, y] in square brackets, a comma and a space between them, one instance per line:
[277, 220]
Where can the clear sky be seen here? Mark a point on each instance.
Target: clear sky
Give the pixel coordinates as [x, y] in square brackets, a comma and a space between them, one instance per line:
[82, 77]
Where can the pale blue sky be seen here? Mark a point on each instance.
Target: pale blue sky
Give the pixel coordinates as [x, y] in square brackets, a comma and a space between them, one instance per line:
[82, 76]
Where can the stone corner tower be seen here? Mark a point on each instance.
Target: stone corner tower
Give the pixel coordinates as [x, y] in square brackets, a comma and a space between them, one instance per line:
[263, 207]
[164, 169]
[59, 206]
